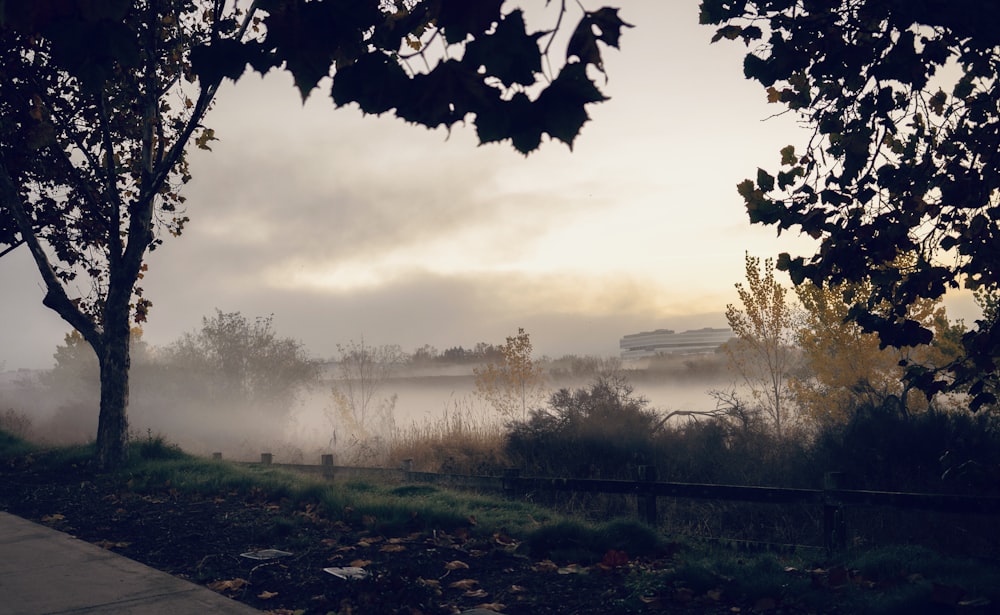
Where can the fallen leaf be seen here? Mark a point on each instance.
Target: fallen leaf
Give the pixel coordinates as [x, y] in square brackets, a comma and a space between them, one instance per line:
[517, 589]
[476, 593]
[572, 569]
[492, 606]
[464, 584]
[227, 585]
[364, 543]
[545, 566]
[456, 565]
[53, 518]
[108, 544]
[340, 526]
[429, 582]
[266, 595]
[360, 563]
[392, 548]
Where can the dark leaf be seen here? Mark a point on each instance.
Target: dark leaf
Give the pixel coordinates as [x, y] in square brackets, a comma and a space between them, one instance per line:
[461, 18]
[563, 103]
[609, 25]
[445, 95]
[508, 53]
[376, 82]
[224, 58]
[765, 181]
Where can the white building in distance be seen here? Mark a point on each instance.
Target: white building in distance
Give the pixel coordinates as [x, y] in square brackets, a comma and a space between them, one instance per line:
[666, 341]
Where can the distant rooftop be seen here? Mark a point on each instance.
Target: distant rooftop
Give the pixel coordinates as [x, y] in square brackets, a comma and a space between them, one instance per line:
[666, 341]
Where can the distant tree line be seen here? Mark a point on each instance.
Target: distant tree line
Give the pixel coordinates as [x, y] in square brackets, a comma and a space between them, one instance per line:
[428, 355]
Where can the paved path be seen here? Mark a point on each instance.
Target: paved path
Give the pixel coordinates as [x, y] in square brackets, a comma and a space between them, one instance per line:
[45, 572]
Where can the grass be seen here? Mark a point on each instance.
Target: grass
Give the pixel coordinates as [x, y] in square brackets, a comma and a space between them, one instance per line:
[894, 579]
[464, 440]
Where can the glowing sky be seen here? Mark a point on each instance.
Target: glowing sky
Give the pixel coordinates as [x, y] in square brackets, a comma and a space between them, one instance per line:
[345, 226]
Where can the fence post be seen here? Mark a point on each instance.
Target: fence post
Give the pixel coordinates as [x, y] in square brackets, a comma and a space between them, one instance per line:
[217, 456]
[511, 477]
[646, 502]
[834, 525]
[327, 462]
[265, 459]
[407, 467]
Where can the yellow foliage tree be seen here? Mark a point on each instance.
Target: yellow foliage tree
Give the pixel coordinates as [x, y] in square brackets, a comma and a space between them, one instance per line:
[845, 368]
[515, 381]
[763, 354]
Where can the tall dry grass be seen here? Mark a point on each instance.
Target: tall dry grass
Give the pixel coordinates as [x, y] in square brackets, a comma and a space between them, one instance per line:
[466, 439]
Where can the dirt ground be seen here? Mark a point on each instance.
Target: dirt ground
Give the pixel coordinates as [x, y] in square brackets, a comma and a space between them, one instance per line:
[203, 538]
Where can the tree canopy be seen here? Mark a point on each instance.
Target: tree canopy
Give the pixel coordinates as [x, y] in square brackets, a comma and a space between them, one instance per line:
[762, 352]
[844, 368]
[100, 99]
[903, 104]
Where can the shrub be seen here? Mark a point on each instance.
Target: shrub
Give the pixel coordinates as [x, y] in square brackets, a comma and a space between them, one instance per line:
[597, 432]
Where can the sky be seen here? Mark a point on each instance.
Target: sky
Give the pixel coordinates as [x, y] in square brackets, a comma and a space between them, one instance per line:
[344, 226]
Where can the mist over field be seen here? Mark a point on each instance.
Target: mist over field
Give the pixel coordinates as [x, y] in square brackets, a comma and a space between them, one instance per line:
[202, 419]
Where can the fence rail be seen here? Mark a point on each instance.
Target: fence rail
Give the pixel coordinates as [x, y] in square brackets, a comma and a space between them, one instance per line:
[833, 497]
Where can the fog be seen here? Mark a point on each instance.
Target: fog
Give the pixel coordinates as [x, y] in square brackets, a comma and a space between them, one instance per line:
[202, 420]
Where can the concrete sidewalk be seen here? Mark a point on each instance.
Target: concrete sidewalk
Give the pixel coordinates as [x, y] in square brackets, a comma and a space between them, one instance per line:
[43, 571]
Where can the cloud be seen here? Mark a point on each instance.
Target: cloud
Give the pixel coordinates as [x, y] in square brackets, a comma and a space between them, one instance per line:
[565, 314]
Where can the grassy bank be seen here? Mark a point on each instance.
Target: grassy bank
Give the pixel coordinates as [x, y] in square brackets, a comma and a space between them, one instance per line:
[651, 571]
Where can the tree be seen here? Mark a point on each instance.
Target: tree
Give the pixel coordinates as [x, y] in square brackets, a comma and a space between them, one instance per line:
[762, 352]
[363, 372]
[75, 360]
[513, 382]
[901, 97]
[100, 99]
[846, 368]
[597, 431]
[244, 362]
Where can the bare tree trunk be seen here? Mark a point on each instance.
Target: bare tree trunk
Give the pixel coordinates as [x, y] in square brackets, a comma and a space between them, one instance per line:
[112, 424]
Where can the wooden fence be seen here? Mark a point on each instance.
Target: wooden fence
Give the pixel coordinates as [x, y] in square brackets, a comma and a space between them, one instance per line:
[833, 498]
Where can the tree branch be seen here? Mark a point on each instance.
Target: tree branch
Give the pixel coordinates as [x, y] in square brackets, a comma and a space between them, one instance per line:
[55, 296]
[11, 248]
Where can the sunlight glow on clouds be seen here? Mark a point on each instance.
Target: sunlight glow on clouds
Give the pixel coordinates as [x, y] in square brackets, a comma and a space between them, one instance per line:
[340, 224]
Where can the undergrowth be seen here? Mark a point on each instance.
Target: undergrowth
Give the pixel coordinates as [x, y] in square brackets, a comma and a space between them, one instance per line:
[880, 580]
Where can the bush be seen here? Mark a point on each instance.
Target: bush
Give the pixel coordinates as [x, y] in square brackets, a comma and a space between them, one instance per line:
[881, 449]
[601, 432]
[15, 423]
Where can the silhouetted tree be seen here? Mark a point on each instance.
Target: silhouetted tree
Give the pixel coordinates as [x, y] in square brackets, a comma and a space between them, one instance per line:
[100, 99]
[903, 158]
